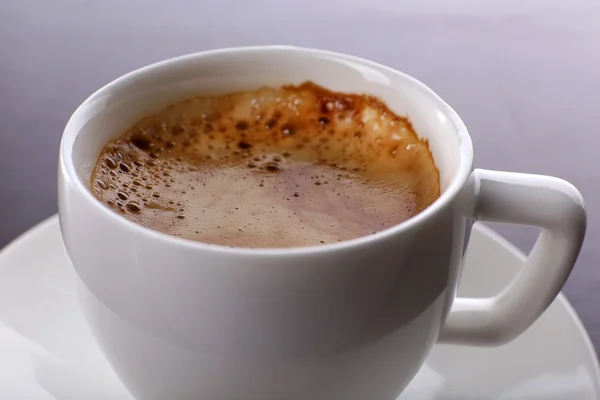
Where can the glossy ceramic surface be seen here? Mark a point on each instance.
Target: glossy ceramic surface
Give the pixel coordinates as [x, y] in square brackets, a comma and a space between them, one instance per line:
[183, 319]
[348, 320]
[48, 352]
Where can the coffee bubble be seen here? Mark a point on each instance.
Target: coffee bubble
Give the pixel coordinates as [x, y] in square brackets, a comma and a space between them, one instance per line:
[134, 206]
[101, 184]
[110, 163]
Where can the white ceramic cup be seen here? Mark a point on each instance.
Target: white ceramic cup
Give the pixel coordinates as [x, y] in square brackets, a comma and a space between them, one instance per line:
[353, 320]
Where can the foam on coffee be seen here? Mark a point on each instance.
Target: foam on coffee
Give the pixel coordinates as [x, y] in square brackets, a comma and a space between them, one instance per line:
[274, 167]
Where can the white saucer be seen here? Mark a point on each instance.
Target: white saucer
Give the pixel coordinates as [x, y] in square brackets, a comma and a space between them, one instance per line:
[47, 352]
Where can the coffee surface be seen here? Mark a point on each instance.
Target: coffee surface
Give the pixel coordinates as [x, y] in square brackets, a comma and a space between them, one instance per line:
[275, 167]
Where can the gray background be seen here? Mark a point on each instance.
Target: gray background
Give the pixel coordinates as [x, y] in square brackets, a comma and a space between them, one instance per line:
[524, 76]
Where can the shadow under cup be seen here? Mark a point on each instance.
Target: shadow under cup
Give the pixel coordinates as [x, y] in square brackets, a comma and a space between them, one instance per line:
[187, 320]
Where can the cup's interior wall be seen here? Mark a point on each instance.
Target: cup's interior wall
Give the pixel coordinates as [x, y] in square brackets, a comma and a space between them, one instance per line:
[116, 107]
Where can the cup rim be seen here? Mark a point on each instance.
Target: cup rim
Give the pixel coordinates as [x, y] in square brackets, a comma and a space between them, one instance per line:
[462, 174]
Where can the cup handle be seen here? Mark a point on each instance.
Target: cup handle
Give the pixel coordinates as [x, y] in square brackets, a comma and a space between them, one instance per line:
[558, 209]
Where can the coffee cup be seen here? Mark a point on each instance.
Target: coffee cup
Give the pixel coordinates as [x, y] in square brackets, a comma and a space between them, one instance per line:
[350, 320]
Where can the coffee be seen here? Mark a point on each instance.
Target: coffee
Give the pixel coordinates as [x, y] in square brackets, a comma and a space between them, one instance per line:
[273, 167]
